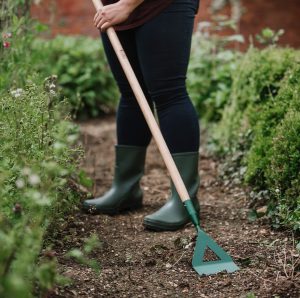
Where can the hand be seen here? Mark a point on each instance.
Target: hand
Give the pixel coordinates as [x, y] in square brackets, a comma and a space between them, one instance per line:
[114, 14]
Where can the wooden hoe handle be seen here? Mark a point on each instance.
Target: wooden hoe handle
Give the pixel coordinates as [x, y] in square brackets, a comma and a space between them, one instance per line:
[137, 90]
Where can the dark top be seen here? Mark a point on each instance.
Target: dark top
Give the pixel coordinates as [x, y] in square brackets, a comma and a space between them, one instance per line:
[144, 12]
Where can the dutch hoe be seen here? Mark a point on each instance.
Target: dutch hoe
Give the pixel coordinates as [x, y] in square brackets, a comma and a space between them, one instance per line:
[203, 242]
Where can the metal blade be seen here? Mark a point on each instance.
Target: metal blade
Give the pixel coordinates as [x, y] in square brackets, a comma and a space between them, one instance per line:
[225, 262]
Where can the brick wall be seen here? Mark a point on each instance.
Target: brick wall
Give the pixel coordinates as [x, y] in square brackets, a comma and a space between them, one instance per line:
[75, 17]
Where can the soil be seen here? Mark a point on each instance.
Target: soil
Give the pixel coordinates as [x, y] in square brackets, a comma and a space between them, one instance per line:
[139, 263]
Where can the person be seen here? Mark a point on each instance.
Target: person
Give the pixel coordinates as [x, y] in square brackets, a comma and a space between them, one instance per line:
[156, 36]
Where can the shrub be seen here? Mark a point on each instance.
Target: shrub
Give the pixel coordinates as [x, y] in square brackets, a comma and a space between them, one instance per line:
[82, 70]
[255, 83]
[264, 119]
[260, 123]
[283, 174]
[35, 161]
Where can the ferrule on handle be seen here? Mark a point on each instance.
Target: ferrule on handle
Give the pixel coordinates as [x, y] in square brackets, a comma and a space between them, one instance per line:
[192, 214]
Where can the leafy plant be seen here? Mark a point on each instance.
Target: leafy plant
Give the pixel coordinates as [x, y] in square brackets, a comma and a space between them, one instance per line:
[264, 95]
[36, 157]
[210, 70]
[82, 71]
[269, 36]
[82, 255]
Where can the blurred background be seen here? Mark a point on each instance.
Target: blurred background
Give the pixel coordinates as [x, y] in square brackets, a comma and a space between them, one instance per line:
[75, 17]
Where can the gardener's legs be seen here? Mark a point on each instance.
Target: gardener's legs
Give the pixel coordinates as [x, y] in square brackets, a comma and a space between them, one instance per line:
[133, 137]
[164, 47]
[132, 128]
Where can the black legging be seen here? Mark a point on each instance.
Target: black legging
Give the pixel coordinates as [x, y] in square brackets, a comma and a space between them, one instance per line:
[159, 52]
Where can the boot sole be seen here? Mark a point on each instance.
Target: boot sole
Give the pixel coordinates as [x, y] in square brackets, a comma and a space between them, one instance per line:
[160, 227]
[92, 209]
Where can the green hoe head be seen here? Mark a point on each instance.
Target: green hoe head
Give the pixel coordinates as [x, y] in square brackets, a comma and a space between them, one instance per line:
[224, 263]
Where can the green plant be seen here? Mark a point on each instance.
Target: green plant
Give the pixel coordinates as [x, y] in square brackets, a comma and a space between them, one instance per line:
[283, 174]
[258, 131]
[16, 63]
[256, 82]
[210, 70]
[9, 9]
[36, 158]
[82, 255]
[82, 71]
[269, 36]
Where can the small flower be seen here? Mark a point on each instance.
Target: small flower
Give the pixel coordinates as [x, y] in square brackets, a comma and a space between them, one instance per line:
[6, 44]
[16, 93]
[6, 35]
[34, 179]
[26, 171]
[20, 183]
[72, 138]
[17, 209]
[52, 86]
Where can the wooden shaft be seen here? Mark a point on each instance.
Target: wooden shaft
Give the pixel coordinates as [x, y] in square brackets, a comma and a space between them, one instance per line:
[137, 90]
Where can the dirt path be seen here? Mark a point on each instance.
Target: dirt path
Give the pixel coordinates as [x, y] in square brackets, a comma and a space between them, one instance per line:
[139, 263]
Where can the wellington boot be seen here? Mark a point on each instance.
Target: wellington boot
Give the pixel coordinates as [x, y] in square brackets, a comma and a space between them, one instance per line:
[125, 192]
[173, 214]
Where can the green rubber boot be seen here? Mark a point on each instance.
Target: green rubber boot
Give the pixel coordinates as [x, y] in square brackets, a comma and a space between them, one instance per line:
[125, 192]
[173, 215]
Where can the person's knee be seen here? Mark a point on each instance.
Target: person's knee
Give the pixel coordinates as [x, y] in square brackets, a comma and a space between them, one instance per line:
[129, 100]
[167, 97]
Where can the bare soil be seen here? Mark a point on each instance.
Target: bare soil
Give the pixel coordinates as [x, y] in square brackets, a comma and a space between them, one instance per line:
[139, 263]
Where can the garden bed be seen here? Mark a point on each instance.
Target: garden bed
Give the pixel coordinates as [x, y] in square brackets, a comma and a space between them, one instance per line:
[140, 263]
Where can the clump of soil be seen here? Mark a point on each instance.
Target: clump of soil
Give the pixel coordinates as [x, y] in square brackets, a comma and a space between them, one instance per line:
[139, 263]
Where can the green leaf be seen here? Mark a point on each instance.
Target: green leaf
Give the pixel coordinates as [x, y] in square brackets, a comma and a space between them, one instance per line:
[85, 180]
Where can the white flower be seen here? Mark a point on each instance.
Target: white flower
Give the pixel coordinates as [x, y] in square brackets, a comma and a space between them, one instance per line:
[72, 138]
[52, 86]
[20, 183]
[26, 171]
[34, 179]
[16, 93]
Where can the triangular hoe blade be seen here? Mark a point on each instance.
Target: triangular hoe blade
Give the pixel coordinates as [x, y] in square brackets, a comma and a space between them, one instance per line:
[225, 262]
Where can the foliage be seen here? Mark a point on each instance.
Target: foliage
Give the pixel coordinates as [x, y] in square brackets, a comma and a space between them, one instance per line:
[37, 156]
[78, 62]
[236, 8]
[210, 70]
[17, 62]
[259, 125]
[269, 36]
[9, 9]
[35, 160]
[82, 70]
[255, 82]
[82, 256]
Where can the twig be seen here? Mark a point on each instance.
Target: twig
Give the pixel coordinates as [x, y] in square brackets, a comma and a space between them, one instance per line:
[178, 260]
